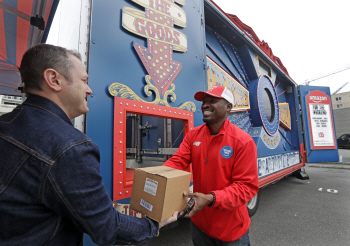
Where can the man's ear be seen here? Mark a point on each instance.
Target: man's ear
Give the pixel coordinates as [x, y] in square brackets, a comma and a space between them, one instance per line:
[53, 79]
[228, 107]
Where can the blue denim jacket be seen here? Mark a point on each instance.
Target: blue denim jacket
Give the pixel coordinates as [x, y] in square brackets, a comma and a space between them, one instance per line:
[51, 190]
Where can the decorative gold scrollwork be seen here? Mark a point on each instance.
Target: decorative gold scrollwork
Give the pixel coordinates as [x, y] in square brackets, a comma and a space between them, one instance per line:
[123, 91]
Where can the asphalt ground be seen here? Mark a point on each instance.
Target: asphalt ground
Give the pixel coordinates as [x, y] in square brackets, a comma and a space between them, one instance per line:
[312, 212]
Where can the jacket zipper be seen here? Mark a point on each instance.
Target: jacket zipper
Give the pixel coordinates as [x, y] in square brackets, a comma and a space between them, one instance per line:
[240, 214]
[206, 160]
[206, 178]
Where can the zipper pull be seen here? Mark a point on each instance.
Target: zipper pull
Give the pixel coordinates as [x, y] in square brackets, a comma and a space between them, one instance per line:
[206, 160]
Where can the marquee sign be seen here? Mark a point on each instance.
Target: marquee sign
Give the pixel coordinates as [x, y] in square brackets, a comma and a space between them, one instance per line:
[218, 76]
[156, 24]
[320, 120]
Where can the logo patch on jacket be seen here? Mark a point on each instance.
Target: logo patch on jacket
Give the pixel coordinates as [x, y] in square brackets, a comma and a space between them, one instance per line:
[226, 152]
[197, 143]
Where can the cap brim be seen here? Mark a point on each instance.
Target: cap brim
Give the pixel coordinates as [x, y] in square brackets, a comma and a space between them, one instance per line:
[199, 96]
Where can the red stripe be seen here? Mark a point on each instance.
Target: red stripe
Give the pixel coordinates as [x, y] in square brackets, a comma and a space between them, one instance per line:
[276, 176]
[7, 65]
[23, 26]
[3, 54]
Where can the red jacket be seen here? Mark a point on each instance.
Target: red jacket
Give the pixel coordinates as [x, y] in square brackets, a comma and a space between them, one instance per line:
[227, 166]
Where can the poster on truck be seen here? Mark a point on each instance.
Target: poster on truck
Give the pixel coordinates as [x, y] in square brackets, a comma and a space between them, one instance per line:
[320, 120]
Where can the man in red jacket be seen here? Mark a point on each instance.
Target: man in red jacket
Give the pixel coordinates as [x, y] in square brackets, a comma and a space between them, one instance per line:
[225, 173]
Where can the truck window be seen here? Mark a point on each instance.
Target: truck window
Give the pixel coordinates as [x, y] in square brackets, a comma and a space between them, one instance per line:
[144, 135]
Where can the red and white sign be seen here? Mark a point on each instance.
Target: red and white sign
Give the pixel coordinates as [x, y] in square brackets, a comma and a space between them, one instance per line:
[320, 120]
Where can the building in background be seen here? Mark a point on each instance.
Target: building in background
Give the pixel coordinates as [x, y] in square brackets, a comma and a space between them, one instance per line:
[8, 103]
[341, 111]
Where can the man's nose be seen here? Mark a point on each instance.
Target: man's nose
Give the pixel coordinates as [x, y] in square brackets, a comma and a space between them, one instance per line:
[88, 91]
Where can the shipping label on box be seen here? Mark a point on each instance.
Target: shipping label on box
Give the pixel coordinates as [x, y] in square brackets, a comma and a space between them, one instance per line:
[151, 186]
[158, 191]
[146, 205]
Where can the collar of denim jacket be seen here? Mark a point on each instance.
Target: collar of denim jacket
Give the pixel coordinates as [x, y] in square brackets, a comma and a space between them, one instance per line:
[47, 105]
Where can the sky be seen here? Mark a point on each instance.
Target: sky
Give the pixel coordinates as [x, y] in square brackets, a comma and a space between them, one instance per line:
[311, 37]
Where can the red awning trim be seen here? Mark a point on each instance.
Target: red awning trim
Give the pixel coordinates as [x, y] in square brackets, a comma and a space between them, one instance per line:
[264, 46]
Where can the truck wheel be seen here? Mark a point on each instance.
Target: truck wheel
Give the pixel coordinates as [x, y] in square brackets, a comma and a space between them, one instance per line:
[253, 205]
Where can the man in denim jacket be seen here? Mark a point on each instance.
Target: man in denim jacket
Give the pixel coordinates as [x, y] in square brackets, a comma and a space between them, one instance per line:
[51, 191]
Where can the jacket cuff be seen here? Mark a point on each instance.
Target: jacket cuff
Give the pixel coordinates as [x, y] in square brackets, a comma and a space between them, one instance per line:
[154, 226]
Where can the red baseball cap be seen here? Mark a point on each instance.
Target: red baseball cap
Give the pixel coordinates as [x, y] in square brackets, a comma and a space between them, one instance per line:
[215, 91]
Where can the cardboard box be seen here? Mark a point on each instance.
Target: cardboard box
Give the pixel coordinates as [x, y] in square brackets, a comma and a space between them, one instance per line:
[157, 192]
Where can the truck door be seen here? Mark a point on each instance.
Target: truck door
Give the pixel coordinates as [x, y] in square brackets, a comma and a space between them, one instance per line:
[146, 61]
[146, 58]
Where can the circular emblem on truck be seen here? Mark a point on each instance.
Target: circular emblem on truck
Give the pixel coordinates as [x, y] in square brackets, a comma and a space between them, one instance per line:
[264, 101]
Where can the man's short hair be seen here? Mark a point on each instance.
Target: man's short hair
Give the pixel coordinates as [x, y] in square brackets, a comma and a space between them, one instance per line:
[41, 57]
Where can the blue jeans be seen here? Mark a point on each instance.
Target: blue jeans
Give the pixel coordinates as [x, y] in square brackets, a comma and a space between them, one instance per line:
[199, 238]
